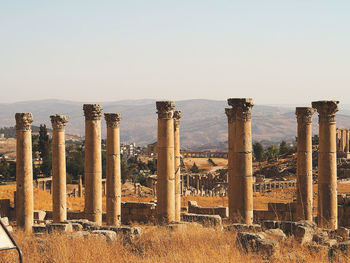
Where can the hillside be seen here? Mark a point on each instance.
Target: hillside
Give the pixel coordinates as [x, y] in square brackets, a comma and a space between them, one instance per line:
[204, 123]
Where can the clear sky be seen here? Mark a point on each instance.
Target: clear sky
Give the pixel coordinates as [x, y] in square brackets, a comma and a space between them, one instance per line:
[275, 51]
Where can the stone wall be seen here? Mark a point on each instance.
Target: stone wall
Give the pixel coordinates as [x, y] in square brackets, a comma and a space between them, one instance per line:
[193, 208]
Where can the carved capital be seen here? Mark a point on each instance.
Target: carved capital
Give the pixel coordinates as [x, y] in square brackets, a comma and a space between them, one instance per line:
[24, 121]
[304, 114]
[177, 117]
[59, 121]
[165, 109]
[242, 107]
[113, 119]
[92, 111]
[326, 110]
[231, 115]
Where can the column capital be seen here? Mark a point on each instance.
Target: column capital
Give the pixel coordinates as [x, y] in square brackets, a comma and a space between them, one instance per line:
[326, 109]
[304, 114]
[24, 121]
[165, 109]
[92, 111]
[177, 117]
[113, 119]
[231, 114]
[59, 121]
[242, 107]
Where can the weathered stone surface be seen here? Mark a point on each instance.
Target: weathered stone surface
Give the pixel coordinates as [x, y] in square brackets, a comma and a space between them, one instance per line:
[59, 227]
[341, 248]
[243, 227]
[109, 235]
[276, 234]
[39, 215]
[320, 237]
[250, 242]
[39, 229]
[80, 234]
[303, 234]
[343, 232]
[270, 224]
[206, 220]
[77, 226]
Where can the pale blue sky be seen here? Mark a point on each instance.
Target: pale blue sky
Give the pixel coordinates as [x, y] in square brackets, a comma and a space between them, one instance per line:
[278, 51]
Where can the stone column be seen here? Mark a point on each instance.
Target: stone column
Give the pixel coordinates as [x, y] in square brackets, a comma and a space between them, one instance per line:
[80, 186]
[327, 164]
[24, 171]
[304, 163]
[113, 177]
[93, 163]
[166, 163]
[177, 116]
[59, 203]
[231, 178]
[241, 190]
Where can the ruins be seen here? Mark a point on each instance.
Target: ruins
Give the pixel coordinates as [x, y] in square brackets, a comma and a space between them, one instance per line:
[170, 184]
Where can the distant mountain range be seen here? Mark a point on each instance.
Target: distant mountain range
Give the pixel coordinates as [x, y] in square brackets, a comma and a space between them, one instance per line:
[203, 125]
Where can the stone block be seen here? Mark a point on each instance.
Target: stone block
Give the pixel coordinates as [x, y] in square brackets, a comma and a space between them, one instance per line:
[77, 226]
[270, 224]
[80, 234]
[59, 227]
[39, 229]
[39, 215]
[206, 220]
[275, 234]
[243, 227]
[343, 232]
[256, 242]
[109, 235]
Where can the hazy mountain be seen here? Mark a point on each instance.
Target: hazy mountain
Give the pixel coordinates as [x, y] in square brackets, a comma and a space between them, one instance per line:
[203, 123]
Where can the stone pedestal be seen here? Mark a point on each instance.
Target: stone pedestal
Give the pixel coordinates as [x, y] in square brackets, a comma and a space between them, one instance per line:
[59, 203]
[241, 174]
[93, 163]
[178, 190]
[304, 163]
[327, 164]
[113, 177]
[24, 172]
[165, 162]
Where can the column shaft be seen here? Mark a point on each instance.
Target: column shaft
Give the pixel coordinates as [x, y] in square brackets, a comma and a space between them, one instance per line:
[113, 177]
[241, 189]
[59, 203]
[304, 163]
[165, 163]
[177, 116]
[93, 163]
[24, 172]
[327, 164]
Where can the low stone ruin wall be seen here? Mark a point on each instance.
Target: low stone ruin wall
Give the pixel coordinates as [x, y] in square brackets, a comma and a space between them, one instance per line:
[193, 208]
[276, 211]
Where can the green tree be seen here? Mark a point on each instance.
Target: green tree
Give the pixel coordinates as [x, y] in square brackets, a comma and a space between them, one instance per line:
[272, 152]
[258, 151]
[284, 148]
[194, 168]
[4, 169]
[44, 149]
[152, 165]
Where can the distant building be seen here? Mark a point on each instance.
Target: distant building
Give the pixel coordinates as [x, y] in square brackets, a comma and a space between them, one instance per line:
[128, 149]
[152, 149]
[2, 136]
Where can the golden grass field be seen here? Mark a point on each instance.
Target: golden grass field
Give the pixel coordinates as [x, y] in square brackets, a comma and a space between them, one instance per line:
[156, 244]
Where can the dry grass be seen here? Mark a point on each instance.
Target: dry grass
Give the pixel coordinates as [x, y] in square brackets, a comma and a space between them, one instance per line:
[157, 244]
